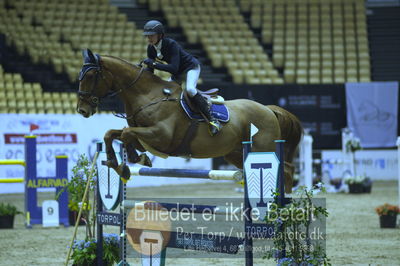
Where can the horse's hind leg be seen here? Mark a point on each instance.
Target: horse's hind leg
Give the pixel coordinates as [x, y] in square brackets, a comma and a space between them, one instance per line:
[235, 158]
[288, 173]
[264, 143]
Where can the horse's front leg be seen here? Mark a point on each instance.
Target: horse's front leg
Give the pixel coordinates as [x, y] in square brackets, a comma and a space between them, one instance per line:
[122, 169]
[109, 137]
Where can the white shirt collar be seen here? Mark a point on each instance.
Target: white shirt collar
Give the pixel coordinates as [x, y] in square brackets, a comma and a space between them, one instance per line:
[158, 49]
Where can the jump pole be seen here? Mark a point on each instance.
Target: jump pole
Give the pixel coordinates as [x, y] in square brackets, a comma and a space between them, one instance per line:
[188, 173]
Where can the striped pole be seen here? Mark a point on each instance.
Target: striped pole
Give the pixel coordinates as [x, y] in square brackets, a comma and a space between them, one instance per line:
[188, 173]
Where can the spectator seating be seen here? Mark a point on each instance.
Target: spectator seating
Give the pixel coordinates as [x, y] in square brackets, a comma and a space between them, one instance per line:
[17, 96]
[314, 41]
[226, 37]
[55, 31]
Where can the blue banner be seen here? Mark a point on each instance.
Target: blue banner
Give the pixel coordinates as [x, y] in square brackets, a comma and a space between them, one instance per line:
[372, 112]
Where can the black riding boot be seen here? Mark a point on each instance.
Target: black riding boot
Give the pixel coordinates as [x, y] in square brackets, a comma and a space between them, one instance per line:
[201, 103]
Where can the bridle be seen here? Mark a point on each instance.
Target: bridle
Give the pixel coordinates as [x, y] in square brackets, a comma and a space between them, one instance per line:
[89, 96]
[93, 100]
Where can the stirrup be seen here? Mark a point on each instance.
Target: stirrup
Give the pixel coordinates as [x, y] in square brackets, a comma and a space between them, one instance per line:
[214, 127]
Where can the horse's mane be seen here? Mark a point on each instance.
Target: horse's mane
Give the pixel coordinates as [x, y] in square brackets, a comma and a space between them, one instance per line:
[120, 59]
[146, 72]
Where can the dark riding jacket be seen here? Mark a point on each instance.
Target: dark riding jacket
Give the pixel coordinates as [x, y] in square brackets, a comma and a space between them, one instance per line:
[178, 60]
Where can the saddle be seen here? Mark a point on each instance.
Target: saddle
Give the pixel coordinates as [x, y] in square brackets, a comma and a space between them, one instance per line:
[210, 95]
[216, 103]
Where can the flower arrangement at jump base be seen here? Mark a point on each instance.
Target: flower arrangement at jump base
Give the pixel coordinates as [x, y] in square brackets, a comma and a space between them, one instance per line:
[359, 184]
[84, 252]
[387, 215]
[353, 145]
[76, 188]
[296, 223]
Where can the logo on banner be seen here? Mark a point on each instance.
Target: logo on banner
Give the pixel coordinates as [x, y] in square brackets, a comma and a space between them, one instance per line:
[109, 183]
[45, 138]
[261, 171]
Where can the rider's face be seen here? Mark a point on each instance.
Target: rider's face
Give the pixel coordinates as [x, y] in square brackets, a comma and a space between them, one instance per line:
[153, 39]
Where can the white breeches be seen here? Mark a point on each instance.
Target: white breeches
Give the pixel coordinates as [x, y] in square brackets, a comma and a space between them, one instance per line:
[192, 77]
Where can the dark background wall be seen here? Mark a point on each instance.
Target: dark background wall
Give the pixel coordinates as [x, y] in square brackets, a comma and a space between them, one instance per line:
[320, 108]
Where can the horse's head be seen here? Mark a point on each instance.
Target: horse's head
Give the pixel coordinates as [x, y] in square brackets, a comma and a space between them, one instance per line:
[94, 84]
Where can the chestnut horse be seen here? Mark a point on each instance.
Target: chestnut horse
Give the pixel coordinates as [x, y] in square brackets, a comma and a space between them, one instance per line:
[158, 124]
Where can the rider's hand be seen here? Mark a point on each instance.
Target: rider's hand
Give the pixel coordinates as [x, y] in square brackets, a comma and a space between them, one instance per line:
[149, 62]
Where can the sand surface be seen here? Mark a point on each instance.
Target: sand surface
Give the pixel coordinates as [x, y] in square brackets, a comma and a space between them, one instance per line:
[353, 232]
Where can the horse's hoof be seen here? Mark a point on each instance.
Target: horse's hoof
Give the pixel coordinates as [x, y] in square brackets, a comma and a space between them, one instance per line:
[145, 160]
[124, 172]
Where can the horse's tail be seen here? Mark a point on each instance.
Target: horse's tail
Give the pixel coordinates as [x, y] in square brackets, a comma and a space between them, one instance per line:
[291, 130]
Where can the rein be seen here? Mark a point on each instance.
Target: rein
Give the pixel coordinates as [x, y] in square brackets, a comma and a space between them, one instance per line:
[141, 108]
[94, 100]
[129, 85]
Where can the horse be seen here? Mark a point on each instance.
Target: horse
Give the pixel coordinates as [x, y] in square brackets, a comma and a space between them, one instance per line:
[158, 124]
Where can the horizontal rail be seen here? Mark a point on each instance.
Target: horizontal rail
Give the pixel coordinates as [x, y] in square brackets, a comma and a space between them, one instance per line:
[12, 180]
[12, 162]
[188, 173]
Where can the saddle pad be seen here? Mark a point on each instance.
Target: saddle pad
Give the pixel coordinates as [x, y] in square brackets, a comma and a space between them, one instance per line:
[218, 111]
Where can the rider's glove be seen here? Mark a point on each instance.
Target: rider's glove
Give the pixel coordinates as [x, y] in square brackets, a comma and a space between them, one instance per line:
[150, 62]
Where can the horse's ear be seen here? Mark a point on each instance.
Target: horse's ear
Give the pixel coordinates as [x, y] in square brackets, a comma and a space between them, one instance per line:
[88, 56]
[91, 56]
[84, 54]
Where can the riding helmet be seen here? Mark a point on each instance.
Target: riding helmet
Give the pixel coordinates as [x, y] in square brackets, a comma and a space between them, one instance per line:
[153, 27]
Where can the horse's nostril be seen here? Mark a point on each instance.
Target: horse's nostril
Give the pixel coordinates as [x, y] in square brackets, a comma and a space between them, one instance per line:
[81, 111]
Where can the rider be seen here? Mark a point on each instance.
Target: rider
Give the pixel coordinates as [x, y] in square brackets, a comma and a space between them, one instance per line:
[179, 64]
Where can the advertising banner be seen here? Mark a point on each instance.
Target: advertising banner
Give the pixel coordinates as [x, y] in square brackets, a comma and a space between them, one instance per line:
[376, 164]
